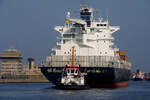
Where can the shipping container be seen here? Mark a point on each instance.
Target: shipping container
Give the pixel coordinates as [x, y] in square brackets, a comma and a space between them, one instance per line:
[122, 53]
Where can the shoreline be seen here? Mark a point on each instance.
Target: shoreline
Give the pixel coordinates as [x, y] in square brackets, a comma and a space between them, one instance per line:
[23, 81]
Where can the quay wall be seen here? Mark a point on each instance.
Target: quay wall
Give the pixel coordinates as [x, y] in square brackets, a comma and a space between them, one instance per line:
[24, 79]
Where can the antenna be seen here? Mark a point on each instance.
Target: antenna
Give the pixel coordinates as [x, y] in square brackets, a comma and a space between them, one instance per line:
[68, 15]
[107, 15]
[83, 4]
[67, 18]
[11, 48]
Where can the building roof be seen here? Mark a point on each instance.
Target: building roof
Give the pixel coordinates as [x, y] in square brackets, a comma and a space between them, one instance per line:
[11, 53]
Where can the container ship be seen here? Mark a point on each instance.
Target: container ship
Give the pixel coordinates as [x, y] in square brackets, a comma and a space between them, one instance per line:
[94, 51]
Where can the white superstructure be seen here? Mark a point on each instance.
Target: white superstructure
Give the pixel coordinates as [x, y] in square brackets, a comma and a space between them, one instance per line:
[90, 37]
[92, 41]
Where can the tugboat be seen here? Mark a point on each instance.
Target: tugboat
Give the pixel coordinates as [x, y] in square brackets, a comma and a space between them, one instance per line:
[147, 76]
[72, 78]
[138, 76]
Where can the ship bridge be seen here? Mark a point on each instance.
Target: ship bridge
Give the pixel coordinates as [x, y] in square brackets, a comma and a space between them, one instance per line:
[86, 14]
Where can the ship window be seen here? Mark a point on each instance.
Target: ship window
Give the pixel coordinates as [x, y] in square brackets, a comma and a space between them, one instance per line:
[97, 24]
[73, 30]
[92, 29]
[99, 30]
[67, 71]
[60, 29]
[69, 35]
[104, 35]
[64, 41]
[105, 52]
[104, 41]
[76, 71]
[103, 24]
[72, 71]
[64, 52]
[112, 30]
[79, 40]
[73, 35]
[100, 52]
[84, 17]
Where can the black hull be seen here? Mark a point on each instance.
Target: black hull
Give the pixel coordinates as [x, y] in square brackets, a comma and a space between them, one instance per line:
[96, 76]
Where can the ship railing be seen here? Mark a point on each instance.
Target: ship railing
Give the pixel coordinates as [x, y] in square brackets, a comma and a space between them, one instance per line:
[64, 38]
[106, 38]
[86, 61]
[58, 43]
[101, 64]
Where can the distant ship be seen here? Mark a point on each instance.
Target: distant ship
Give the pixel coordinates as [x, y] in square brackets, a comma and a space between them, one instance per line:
[138, 76]
[95, 52]
[147, 76]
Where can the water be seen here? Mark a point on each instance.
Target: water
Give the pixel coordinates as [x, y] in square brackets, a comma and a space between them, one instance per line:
[43, 91]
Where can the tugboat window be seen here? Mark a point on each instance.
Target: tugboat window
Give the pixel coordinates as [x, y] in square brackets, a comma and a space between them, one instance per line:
[73, 30]
[67, 71]
[72, 71]
[64, 41]
[76, 71]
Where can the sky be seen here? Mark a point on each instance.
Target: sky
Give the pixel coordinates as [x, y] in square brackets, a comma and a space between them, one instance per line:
[28, 26]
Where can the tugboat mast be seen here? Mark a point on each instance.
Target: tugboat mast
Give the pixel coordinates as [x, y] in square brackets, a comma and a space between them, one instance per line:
[72, 64]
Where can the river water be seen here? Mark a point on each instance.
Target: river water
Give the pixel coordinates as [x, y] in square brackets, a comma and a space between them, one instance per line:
[42, 91]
